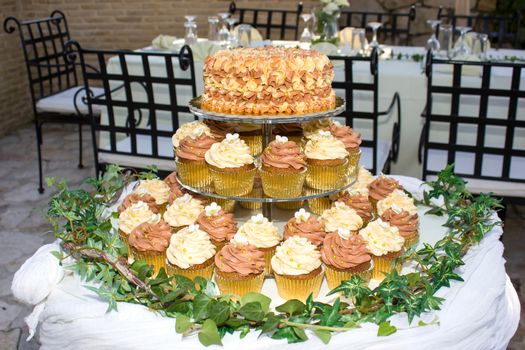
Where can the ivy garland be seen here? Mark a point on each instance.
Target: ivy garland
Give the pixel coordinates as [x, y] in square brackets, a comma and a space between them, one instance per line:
[82, 223]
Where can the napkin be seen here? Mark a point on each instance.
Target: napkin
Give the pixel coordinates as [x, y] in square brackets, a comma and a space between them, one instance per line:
[345, 36]
[203, 49]
[473, 43]
[164, 42]
[326, 48]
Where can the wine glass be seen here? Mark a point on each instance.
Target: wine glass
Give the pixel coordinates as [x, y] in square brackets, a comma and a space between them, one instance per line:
[447, 30]
[232, 38]
[483, 41]
[433, 42]
[213, 24]
[191, 33]
[360, 33]
[462, 49]
[306, 36]
[223, 32]
[190, 18]
[375, 26]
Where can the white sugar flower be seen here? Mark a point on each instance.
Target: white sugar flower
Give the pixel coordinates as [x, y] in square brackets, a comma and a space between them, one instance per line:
[281, 139]
[186, 198]
[193, 228]
[232, 137]
[258, 219]
[396, 208]
[340, 205]
[239, 239]
[212, 209]
[324, 133]
[196, 133]
[344, 233]
[155, 218]
[301, 215]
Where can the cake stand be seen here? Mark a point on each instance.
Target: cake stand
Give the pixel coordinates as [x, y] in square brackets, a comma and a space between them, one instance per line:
[266, 122]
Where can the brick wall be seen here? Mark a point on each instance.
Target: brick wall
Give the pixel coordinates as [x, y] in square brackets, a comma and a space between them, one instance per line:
[130, 24]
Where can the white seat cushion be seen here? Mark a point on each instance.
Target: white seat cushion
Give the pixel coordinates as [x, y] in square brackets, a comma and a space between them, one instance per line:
[383, 149]
[62, 102]
[491, 166]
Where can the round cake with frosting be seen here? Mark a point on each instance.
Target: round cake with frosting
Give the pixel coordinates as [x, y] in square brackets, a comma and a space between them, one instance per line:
[268, 81]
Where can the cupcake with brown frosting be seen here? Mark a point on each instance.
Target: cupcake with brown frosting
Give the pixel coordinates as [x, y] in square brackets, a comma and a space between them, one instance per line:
[190, 162]
[361, 204]
[381, 187]
[239, 267]
[305, 225]
[344, 254]
[282, 162]
[149, 242]
[135, 197]
[400, 211]
[220, 225]
[352, 140]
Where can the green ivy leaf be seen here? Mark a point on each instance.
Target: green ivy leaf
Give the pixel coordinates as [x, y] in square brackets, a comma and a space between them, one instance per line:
[300, 333]
[325, 336]
[182, 324]
[292, 307]
[219, 311]
[332, 316]
[270, 324]
[257, 297]
[209, 334]
[200, 307]
[252, 311]
[385, 329]
[286, 333]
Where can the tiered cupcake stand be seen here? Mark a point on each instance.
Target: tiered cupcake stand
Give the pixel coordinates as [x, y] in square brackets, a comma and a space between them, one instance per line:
[267, 122]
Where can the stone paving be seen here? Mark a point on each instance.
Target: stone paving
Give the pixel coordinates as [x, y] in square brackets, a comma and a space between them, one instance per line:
[23, 227]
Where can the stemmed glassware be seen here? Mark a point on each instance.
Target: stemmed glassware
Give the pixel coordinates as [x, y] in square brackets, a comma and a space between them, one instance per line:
[232, 38]
[462, 50]
[446, 30]
[360, 33]
[375, 27]
[306, 35]
[483, 41]
[190, 18]
[223, 32]
[213, 26]
[433, 42]
[191, 33]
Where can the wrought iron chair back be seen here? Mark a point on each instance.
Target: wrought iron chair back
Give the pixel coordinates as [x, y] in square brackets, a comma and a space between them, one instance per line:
[352, 86]
[129, 95]
[395, 29]
[501, 30]
[270, 20]
[452, 141]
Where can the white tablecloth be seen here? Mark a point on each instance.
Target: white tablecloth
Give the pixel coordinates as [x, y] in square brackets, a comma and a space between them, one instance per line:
[481, 313]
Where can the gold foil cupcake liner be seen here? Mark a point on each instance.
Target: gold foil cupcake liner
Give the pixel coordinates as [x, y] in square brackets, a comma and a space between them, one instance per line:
[268, 254]
[289, 287]
[335, 277]
[327, 177]
[156, 259]
[412, 241]
[255, 193]
[192, 271]
[282, 185]
[320, 204]
[193, 173]
[353, 166]
[228, 205]
[292, 205]
[240, 286]
[254, 142]
[234, 183]
[383, 265]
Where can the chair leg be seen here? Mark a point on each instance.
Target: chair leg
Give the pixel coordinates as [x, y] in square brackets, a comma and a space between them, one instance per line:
[39, 153]
[80, 165]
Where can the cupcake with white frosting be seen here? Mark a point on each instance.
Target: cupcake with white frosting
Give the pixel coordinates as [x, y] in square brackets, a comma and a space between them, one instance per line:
[231, 166]
[188, 129]
[327, 161]
[297, 268]
[339, 216]
[364, 178]
[132, 217]
[399, 210]
[184, 211]
[263, 234]
[190, 253]
[156, 188]
[385, 244]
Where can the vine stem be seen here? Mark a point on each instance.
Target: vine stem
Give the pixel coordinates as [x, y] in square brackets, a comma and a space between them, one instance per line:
[318, 327]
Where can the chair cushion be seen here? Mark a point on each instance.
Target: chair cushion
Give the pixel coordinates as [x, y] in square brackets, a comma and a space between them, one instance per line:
[491, 166]
[383, 149]
[62, 102]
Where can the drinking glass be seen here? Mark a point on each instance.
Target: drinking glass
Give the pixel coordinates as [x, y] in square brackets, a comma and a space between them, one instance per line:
[433, 42]
[462, 49]
[232, 38]
[375, 26]
[190, 18]
[191, 33]
[446, 30]
[223, 32]
[360, 33]
[213, 26]
[244, 32]
[483, 40]
[306, 36]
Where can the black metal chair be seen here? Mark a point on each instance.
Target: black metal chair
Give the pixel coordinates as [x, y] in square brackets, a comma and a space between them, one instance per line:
[502, 30]
[376, 154]
[56, 91]
[145, 96]
[283, 21]
[395, 29]
[473, 119]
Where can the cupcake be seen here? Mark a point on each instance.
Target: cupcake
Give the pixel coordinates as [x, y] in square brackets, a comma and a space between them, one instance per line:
[263, 234]
[341, 216]
[186, 130]
[133, 216]
[381, 187]
[283, 169]
[311, 128]
[218, 129]
[364, 178]
[135, 197]
[319, 204]
[385, 244]
[251, 134]
[256, 192]
[345, 255]
[231, 166]
[156, 188]
[297, 269]
[176, 189]
[327, 162]
[190, 253]
[400, 211]
[360, 203]
[352, 141]
[293, 131]
[239, 267]
[182, 212]
[189, 160]
[149, 242]
[220, 225]
[305, 225]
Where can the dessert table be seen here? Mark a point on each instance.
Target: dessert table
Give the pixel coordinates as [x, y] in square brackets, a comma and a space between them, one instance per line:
[480, 313]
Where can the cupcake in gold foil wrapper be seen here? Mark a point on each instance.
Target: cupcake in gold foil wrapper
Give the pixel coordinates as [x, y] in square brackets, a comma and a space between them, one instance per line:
[290, 205]
[149, 242]
[239, 267]
[297, 268]
[334, 277]
[203, 270]
[257, 192]
[351, 141]
[399, 210]
[282, 185]
[360, 203]
[319, 204]
[220, 225]
[134, 215]
[327, 175]
[183, 212]
[383, 265]
[254, 142]
[305, 225]
[228, 205]
[380, 188]
[233, 182]
[194, 174]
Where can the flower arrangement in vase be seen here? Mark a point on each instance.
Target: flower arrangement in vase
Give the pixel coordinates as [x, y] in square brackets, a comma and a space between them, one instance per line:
[326, 18]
